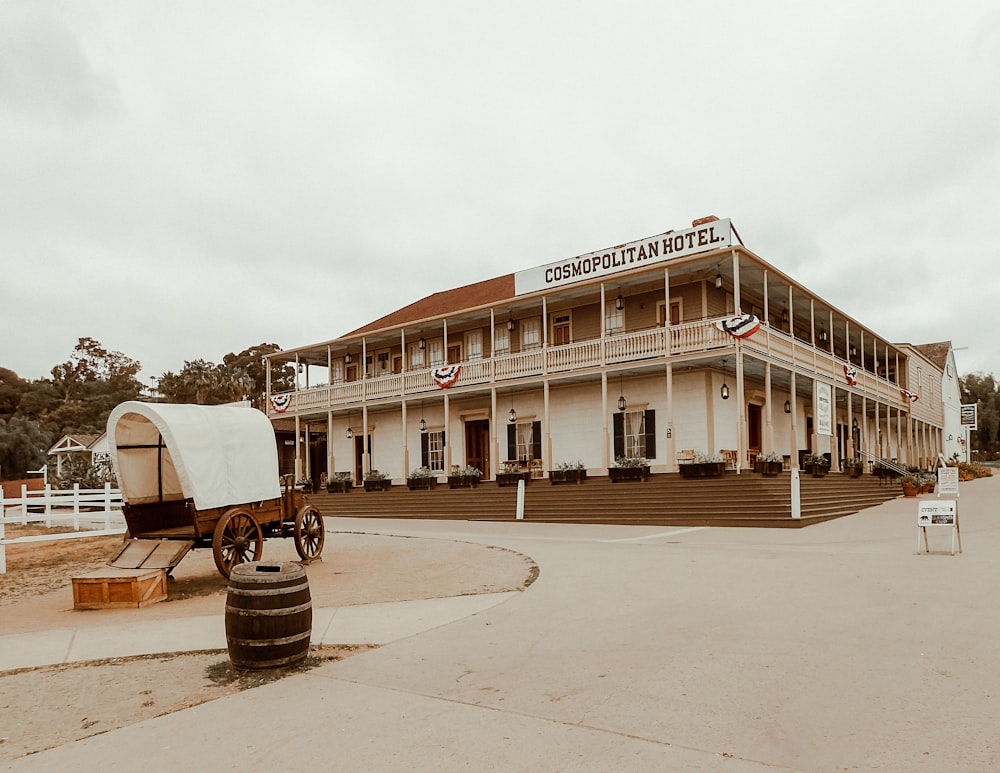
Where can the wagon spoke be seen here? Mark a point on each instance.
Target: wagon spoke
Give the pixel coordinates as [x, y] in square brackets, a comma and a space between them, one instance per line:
[309, 533]
[237, 539]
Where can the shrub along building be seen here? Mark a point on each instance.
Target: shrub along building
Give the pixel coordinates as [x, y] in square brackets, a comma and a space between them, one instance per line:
[676, 345]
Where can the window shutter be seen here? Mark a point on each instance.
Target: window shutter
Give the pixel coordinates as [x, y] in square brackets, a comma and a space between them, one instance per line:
[425, 450]
[619, 432]
[536, 440]
[650, 420]
[512, 441]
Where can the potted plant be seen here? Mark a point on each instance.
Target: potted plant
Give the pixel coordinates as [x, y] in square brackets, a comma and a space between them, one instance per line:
[305, 485]
[377, 481]
[818, 465]
[853, 466]
[464, 477]
[769, 464]
[629, 468]
[421, 478]
[339, 483]
[927, 484]
[568, 472]
[911, 484]
[703, 466]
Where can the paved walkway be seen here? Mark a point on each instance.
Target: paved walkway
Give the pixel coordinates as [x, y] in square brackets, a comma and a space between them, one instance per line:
[834, 647]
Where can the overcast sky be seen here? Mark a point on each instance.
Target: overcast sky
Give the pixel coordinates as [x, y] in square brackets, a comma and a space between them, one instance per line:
[184, 179]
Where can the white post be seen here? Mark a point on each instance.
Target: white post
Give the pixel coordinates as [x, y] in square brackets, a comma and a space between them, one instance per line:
[107, 504]
[520, 500]
[3, 544]
[48, 507]
[796, 494]
[76, 507]
[24, 505]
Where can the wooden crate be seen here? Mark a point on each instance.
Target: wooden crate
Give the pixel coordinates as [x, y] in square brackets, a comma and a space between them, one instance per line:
[110, 587]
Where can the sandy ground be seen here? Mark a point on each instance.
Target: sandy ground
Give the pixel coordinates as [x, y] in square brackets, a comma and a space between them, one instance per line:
[45, 707]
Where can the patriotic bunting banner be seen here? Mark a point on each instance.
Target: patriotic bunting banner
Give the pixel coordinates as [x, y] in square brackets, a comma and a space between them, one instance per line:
[281, 402]
[851, 374]
[446, 375]
[740, 326]
[912, 397]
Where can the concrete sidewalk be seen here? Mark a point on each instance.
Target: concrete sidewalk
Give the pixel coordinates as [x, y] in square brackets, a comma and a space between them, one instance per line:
[835, 647]
[356, 624]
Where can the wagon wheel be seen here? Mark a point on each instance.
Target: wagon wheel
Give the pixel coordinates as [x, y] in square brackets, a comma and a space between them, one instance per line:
[237, 539]
[309, 533]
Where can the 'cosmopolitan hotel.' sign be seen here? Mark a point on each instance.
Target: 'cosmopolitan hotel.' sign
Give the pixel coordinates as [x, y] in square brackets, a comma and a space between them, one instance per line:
[672, 244]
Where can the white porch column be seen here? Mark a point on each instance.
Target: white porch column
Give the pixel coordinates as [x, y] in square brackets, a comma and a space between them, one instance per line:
[793, 418]
[608, 453]
[406, 445]
[741, 405]
[768, 439]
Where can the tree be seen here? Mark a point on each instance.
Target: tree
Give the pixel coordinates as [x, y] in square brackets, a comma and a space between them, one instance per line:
[981, 389]
[250, 362]
[23, 445]
[241, 376]
[12, 387]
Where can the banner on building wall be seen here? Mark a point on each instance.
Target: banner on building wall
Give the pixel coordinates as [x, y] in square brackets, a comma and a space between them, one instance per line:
[851, 374]
[823, 407]
[280, 403]
[446, 375]
[908, 395]
[740, 326]
[713, 235]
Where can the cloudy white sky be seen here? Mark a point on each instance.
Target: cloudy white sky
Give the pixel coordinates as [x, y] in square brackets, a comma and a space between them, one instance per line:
[181, 180]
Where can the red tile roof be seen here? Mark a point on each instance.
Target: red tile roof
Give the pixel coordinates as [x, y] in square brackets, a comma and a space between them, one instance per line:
[483, 293]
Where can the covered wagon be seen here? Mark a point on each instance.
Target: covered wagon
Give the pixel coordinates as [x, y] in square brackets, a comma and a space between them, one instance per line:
[196, 476]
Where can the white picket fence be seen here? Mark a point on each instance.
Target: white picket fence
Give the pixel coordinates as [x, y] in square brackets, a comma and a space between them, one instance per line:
[92, 513]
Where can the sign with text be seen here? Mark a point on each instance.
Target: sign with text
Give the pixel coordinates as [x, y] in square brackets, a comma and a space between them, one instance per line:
[824, 409]
[948, 480]
[714, 235]
[939, 513]
[968, 416]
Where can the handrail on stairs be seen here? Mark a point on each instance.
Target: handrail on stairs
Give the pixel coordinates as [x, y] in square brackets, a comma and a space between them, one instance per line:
[886, 463]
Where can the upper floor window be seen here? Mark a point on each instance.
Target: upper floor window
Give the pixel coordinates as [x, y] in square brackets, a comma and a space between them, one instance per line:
[435, 352]
[501, 339]
[531, 333]
[418, 356]
[474, 345]
[614, 319]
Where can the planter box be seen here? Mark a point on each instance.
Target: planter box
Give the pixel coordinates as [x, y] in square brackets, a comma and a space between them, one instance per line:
[702, 469]
[109, 588]
[818, 470]
[619, 474]
[511, 478]
[463, 481]
[339, 486]
[378, 485]
[568, 476]
[770, 469]
[415, 484]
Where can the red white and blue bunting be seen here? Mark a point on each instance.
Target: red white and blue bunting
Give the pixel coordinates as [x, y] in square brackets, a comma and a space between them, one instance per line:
[851, 374]
[446, 375]
[281, 402]
[740, 326]
[908, 395]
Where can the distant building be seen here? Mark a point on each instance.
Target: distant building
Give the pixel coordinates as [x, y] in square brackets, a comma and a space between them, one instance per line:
[94, 448]
[679, 344]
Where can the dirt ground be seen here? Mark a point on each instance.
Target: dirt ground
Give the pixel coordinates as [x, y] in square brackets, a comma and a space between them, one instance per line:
[45, 707]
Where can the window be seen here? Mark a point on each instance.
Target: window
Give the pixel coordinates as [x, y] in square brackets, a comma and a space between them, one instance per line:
[454, 353]
[435, 351]
[383, 362]
[369, 366]
[501, 340]
[416, 357]
[524, 441]
[614, 319]
[474, 345]
[432, 451]
[531, 336]
[635, 434]
[338, 372]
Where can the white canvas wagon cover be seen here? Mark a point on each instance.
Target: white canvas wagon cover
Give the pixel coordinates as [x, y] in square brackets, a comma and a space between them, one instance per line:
[216, 455]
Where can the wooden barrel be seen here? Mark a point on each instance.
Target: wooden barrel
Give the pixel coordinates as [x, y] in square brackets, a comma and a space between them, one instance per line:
[268, 614]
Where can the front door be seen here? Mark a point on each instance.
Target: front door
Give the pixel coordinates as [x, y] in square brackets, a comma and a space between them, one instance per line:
[477, 445]
[753, 428]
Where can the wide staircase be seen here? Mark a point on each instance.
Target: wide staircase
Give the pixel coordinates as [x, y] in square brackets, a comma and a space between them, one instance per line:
[748, 499]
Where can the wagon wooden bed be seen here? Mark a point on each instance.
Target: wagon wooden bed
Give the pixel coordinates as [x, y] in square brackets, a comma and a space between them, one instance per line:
[195, 476]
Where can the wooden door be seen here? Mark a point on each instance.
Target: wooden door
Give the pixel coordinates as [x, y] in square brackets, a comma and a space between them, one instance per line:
[477, 445]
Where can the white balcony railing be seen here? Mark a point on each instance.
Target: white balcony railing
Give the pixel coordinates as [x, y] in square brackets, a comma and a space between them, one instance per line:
[636, 346]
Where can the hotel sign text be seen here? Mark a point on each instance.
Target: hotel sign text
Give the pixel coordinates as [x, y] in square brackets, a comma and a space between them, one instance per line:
[672, 244]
